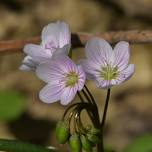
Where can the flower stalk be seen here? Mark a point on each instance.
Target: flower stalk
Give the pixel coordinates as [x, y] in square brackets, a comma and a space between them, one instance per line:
[105, 109]
[100, 146]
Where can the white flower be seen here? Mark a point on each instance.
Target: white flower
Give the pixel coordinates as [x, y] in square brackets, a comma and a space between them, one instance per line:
[56, 39]
[107, 66]
[63, 77]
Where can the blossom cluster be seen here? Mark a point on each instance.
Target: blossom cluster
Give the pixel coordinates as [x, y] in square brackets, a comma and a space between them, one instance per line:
[50, 61]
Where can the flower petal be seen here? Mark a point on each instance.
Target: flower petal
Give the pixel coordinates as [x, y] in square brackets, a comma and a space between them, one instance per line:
[61, 51]
[65, 64]
[59, 30]
[121, 55]
[82, 78]
[99, 51]
[24, 67]
[65, 34]
[68, 95]
[55, 69]
[101, 83]
[37, 52]
[91, 68]
[28, 64]
[126, 74]
[50, 93]
[49, 72]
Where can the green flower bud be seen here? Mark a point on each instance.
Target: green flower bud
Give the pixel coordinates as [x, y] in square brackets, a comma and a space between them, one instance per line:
[62, 132]
[75, 143]
[86, 144]
[88, 128]
[94, 131]
[93, 138]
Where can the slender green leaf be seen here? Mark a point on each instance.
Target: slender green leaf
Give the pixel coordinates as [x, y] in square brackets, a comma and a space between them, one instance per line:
[18, 146]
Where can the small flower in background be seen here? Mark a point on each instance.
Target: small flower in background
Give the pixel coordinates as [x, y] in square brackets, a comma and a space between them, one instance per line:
[105, 65]
[56, 39]
[64, 79]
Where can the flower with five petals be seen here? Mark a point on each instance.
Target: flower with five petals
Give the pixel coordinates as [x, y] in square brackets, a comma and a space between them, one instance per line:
[64, 79]
[107, 66]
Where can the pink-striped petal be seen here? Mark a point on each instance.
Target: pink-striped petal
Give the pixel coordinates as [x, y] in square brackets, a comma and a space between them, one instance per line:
[50, 93]
[65, 64]
[121, 55]
[65, 34]
[101, 83]
[126, 74]
[37, 52]
[68, 95]
[82, 78]
[59, 30]
[91, 68]
[99, 51]
[50, 72]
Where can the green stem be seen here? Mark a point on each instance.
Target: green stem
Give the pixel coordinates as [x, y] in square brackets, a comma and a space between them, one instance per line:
[68, 109]
[72, 113]
[100, 146]
[70, 53]
[91, 100]
[96, 118]
[105, 108]
[86, 96]
[91, 96]
[90, 114]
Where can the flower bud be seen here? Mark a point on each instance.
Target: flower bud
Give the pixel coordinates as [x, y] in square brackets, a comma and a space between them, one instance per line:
[75, 143]
[93, 138]
[86, 144]
[62, 132]
[88, 128]
[94, 131]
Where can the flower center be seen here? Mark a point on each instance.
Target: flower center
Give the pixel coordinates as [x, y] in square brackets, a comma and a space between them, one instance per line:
[71, 79]
[109, 73]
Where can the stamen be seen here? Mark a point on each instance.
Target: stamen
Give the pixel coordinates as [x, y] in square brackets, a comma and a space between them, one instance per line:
[71, 78]
[109, 72]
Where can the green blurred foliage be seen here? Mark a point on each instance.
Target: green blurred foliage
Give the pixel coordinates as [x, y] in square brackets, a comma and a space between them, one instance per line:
[12, 105]
[141, 144]
[18, 146]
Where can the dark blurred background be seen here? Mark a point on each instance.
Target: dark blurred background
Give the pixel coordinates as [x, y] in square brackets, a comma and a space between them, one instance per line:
[129, 114]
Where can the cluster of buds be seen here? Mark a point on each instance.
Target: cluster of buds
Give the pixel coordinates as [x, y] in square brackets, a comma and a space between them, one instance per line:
[78, 137]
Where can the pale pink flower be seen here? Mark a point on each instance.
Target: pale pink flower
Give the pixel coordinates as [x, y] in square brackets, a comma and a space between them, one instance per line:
[56, 37]
[107, 66]
[64, 79]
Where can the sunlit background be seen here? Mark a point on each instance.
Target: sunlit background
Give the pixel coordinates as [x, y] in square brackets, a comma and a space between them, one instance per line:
[23, 116]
